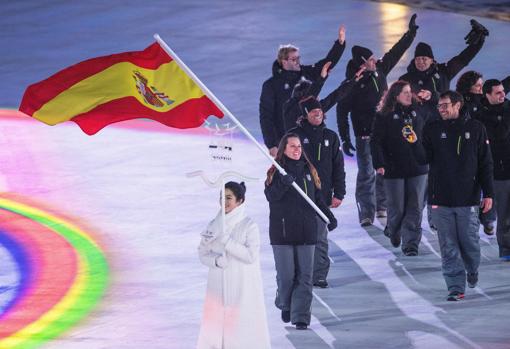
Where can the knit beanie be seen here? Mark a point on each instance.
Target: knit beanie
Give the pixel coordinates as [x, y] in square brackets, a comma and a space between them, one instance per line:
[309, 104]
[360, 55]
[423, 50]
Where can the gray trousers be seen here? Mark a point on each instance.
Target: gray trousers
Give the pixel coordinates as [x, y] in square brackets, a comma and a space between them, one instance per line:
[502, 198]
[294, 268]
[457, 231]
[370, 194]
[321, 256]
[405, 204]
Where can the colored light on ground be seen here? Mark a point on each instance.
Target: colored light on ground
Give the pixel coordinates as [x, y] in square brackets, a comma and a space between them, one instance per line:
[64, 274]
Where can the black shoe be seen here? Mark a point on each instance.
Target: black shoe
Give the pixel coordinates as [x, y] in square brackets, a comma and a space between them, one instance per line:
[301, 326]
[387, 232]
[472, 280]
[455, 296]
[286, 316]
[395, 240]
[322, 283]
[410, 252]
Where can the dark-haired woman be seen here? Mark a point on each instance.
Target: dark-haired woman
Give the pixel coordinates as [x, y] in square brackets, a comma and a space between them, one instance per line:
[398, 124]
[234, 310]
[293, 229]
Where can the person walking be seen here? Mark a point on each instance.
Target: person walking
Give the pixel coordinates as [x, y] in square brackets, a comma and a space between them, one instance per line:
[361, 105]
[234, 310]
[495, 115]
[293, 229]
[323, 149]
[287, 72]
[457, 150]
[397, 126]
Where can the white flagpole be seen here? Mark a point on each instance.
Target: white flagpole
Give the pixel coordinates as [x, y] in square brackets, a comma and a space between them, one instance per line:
[224, 109]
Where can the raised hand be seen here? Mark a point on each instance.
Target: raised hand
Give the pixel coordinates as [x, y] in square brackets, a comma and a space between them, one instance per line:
[413, 27]
[325, 70]
[341, 34]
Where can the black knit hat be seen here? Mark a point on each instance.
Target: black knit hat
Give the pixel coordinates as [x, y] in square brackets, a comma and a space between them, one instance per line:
[238, 189]
[423, 50]
[360, 54]
[309, 104]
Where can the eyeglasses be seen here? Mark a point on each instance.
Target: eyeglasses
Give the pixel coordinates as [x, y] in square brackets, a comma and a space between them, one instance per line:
[443, 105]
[294, 59]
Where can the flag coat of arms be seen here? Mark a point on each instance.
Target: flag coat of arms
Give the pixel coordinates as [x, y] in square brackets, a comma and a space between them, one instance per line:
[104, 90]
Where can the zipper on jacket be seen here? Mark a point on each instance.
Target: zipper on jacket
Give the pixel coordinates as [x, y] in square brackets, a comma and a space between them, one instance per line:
[306, 188]
[319, 155]
[434, 83]
[284, 232]
[458, 146]
[375, 84]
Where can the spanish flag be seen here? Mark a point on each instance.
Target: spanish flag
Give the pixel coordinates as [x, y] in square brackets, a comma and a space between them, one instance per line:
[104, 90]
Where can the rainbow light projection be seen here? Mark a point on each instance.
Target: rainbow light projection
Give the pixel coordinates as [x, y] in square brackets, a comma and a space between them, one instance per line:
[63, 274]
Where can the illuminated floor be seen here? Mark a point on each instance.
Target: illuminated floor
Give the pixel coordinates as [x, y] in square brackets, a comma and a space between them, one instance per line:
[117, 211]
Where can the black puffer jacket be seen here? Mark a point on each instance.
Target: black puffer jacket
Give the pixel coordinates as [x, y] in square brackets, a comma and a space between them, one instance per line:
[390, 149]
[366, 94]
[277, 89]
[496, 119]
[437, 78]
[292, 221]
[323, 149]
[460, 161]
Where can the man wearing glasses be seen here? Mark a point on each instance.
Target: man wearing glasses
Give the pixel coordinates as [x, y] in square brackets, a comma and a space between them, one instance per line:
[457, 150]
[287, 72]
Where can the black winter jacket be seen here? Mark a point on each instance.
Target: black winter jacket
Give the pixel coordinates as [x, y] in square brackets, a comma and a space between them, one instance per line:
[437, 78]
[496, 119]
[460, 161]
[277, 89]
[323, 149]
[366, 94]
[390, 149]
[292, 111]
[292, 221]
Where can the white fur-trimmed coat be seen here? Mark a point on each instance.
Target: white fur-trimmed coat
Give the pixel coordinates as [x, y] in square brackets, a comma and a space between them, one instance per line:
[234, 310]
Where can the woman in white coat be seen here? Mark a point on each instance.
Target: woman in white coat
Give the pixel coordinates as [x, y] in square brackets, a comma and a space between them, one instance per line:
[234, 311]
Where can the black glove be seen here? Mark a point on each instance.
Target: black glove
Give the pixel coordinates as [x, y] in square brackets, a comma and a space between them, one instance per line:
[412, 24]
[332, 223]
[477, 34]
[347, 147]
[288, 179]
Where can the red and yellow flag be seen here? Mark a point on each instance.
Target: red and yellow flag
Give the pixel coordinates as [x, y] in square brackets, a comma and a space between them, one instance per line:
[104, 90]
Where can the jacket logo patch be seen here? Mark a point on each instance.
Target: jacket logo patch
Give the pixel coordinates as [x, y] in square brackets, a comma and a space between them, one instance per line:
[326, 142]
[286, 86]
[468, 135]
[309, 177]
[475, 108]
[443, 135]
[436, 75]
[362, 86]
[420, 82]
[395, 116]
[306, 141]
[500, 118]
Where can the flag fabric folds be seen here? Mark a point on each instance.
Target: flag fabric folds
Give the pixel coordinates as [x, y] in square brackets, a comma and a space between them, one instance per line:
[104, 90]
